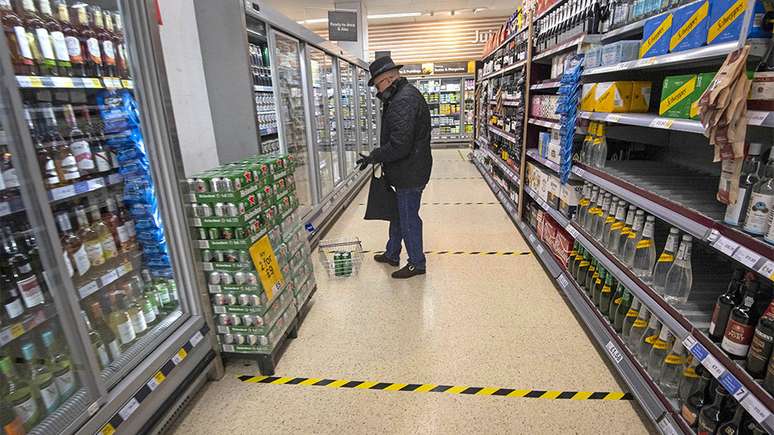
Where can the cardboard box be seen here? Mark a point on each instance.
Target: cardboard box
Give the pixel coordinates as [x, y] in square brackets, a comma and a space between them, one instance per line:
[703, 81]
[543, 140]
[621, 51]
[613, 97]
[554, 190]
[655, 37]
[725, 21]
[676, 96]
[588, 97]
[593, 57]
[640, 102]
[690, 26]
[562, 246]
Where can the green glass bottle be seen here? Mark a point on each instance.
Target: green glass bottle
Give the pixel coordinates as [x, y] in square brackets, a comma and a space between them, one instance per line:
[588, 280]
[606, 294]
[622, 306]
[96, 342]
[599, 283]
[583, 267]
[41, 377]
[11, 423]
[20, 394]
[629, 319]
[59, 361]
[572, 266]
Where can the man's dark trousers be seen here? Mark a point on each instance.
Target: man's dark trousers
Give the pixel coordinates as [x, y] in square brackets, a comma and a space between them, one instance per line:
[407, 228]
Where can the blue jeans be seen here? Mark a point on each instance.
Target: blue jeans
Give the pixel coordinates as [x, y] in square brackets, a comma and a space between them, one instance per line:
[407, 228]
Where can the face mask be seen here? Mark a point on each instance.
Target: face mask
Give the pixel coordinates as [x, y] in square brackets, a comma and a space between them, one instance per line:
[388, 92]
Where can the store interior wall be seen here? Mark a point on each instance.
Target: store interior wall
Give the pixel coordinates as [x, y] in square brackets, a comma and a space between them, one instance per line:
[187, 85]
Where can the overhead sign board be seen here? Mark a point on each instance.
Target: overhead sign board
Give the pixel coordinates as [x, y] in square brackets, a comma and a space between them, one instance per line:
[342, 26]
[450, 67]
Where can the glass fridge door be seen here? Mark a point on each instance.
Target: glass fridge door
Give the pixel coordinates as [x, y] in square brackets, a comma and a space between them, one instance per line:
[348, 127]
[449, 114]
[292, 114]
[374, 115]
[362, 110]
[331, 84]
[319, 109]
[83, 119]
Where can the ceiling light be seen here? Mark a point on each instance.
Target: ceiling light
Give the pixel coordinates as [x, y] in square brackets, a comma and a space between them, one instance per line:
[313, 21]
[477, 10]
[396, 15]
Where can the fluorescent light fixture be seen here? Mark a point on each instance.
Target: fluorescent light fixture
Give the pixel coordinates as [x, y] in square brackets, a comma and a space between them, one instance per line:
[477, 10]
[395, 15]
[313, 21]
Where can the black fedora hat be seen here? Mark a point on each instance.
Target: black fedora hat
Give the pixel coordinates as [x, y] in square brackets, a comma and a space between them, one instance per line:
[381, 65]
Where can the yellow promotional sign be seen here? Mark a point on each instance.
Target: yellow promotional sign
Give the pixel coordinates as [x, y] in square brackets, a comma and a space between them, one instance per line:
[267, 266]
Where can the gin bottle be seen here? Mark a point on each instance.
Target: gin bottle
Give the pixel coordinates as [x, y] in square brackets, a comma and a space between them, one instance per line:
[645, 252]
[679, 279]
[665, 260]
[761, 202]
[630, 247]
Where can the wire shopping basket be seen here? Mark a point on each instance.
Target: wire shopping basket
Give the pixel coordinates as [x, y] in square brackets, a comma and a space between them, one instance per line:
[341, 257]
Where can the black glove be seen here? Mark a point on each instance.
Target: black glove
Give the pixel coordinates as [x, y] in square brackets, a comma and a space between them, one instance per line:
[364, 161]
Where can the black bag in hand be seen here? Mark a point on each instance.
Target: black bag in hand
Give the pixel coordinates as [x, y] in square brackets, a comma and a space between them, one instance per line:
[382, 203]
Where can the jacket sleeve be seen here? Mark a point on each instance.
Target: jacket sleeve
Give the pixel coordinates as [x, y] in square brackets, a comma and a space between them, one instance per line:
[401, 117]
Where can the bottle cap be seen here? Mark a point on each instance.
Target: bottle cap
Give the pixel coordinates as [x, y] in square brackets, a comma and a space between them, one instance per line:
[674, 230]
[754, 149]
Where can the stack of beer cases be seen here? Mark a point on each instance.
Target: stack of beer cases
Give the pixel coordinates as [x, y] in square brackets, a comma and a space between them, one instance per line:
[231, 208]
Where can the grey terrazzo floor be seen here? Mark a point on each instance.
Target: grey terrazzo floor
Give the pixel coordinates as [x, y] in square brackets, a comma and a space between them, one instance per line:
[473, 320]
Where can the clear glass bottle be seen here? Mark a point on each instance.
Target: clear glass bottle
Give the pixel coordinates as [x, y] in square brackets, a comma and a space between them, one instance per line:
[73, 245]
[599, 221]
[600, 147]
[103, 355]
[761, 202]
[611, 236]
[60, 364]
[120, 321]
[21, 394]
[41, 377]
[591, 212]
[610, 220]
[618, 245]
[665, 260]
[630, 247]
[638, 329]
[672, 370]
[689, 378]
[109, 249]
[658, 352]
[736, 213]
[583, 204]
[679, 279]
[648, 338]
[645, 252]
[90, 238]
[112, 343]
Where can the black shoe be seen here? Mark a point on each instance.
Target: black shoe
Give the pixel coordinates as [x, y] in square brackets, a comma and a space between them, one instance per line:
[407, 272]
[381, 258]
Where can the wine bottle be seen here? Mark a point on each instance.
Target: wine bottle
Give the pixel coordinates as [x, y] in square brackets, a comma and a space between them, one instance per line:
[725, 303]
[741, 325]
[698, 398]
[712, 416]
[762, 343]
[41, 377]
[60, 364]
[21, 394]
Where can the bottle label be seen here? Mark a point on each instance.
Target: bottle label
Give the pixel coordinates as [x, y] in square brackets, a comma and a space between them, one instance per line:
[123, 234]
[584, 263]
[44, 42]
[126, 332]
[705, 428]
[83, 156]
[164, 297]
[66, 383]
[109, 246]
[639, 323]
[737, 339]
[94, 252]
[625, 230]
[651, 339]
[94, 53]
[10, 179]
[617, 301]
[734, 211]
[757, 212]
[666, 257]
[644, 243]
[26, 410]
[103, 161]
[81, 258]
[24, 43]
[115, 349]
[609, 219]
[14, 309]
[74, 49]
[616, 226]
[60, 46]
[673, 359]
[25, 268]
[760, 347]
[70, 168]
[138, 322]
[688, 415]
[606, 289]
[52, 176]
[713, 322]
[110, 54]
[102, 354]
[15, 427]
[150, 314]
[632, 313]
[690, 372]
[50, 396]
[30, 291]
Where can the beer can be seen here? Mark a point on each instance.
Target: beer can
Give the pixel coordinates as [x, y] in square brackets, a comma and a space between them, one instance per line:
[244, 299]
[240, 278]
[229, 299]
[215, 278]
[200, 234]
[240, 233]
[252, 279]
[226, 185]
[190, 185]
[236, 320]
[214, 184]
[219, 299]
[218, 256]
[248, 319]
[226, 278]
[207, 256]
[230, 256]
[241, 208]
[213, 233]
[239, 339]
[244, 257]
[200, 186]
[224, 319]
[253, 340]
[232, 210]
[228, 338]
[227, 233]
[219, 209]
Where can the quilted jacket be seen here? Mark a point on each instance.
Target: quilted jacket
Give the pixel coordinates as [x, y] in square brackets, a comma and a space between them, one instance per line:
[405, 138]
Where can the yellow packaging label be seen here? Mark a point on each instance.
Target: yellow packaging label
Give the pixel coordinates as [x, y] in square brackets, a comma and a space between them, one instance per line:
[674, 360]
[617, 301]
[626, 230]
[645, 243]
[614, 97]
[632, 313]
[639, 323]
[659, 344]
[666, 257]
[598, 281]
[588, 100]
[632, 235]
[640, 102]
[654, 37]
[726, 19]
[607, 289]
[583, 202]
[591, 269]
[690, 372]
[689, 25]
[583, 264]
[609, 220]
[616, 226]
[683, 92]
[573, 253]
[650, 339]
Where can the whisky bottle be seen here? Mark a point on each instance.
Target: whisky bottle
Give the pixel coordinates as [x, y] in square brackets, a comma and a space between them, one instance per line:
[665, 260]
[645, 252]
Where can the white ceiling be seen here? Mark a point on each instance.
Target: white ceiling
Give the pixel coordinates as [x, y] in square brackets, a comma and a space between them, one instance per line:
[314, 9]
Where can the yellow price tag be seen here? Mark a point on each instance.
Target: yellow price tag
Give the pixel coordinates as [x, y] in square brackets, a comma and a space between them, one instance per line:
[159, 378]
[108, 429]
[17, 329]
[182, 353]
[36, 82]
[266, 264]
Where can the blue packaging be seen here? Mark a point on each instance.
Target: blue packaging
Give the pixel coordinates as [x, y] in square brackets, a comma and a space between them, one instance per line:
[655, 36]
[725, 21]
[690, 26]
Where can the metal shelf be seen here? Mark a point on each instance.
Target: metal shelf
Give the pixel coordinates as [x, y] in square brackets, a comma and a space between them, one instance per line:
[554, 125]
[509, 172]
[504, 43]
[636, 27]
[73, 82]
[81, 187]
[681, 58]
[552, 84]
[34, 318]
[533, 154]
[502, 134]
[572, 43]
[502, 71]
[755, 118]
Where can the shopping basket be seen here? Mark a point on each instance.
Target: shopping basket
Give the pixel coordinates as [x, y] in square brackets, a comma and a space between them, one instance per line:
[341, 257]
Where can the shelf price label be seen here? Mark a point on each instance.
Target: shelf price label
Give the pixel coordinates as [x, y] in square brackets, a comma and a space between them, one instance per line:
[563, 281]
[179, 356]
[613, 351]
[731, 384]
[746, 257]
[662, 123]
[767, 269]
[571, 229]
[755, 117]
[725, 245]
[156, 380]
[613, 118]
[755, 408]
[129, 409]
[713, 365]
[197, 338]
[540, 250]
[666, 427]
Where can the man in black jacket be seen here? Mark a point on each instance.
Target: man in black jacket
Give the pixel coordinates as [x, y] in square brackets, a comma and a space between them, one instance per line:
[404, 153]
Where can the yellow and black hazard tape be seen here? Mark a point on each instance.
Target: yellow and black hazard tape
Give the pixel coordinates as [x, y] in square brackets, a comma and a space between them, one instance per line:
[462, 252]
[433, 388]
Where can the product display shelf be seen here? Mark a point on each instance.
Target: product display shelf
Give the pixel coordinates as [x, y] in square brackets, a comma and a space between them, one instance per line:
[509, 172]
[573, 43]
[54, 82]
[756, 118]
[506, 202]
[737, 381]
[117, 269]
[505, 42]
[653, 402]
[706, 54]
[548, 9]
[501, 133]
[549, 84]
[634, 28]
[504, 70]
[704, 225]
[83, 187]
[554, 125]
[533, 154]
[11, 206]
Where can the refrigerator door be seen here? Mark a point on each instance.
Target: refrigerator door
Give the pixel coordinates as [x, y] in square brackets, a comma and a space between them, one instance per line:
[374, 105]
[362, 111]
[348, 126]
[323, 133]
[292, 114]
[331, 91]
[449, 114]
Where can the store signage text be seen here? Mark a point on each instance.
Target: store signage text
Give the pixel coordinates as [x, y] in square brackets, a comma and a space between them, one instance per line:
[342, 26]
[482, 37]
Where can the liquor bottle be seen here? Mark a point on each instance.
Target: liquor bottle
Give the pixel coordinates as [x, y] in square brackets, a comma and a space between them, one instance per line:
[16, 35]
[741, 324]
[610, 219]
[12, 302]
[41, 377]
[109, 249]
[96, 139]
[665, 260]
[639, 327]
[630, 247]
[97, 343]
[762, 343]
[645, 252]
[58, 42]
[658, 352]
[712, 416]
[90, 238]
[618, 246]
[725, 303]
[612, 234]
[629, 318]
[648, 338]
[11, 423]
[672, 370]
[736, 213]
[600, 148]
[116, 41]
[148, 302]
[679, 279]
[127, 220]
[135, 311]
[599, 221]
[112, 342]
[89, 42]
[735, 425]
[583, 204]
[761, 202]
[690, 379]
[590, 278]
[583, 267]
[122, 61]
[66, 163]
[72, 43]
[74, 248]
[20, 394]
[26, 280]
[606, 294]
[105, 42]
[120, 322]
[615, 302]
[40, 40]
[625, 307]
[79, 146]
[60, 364]
[592, 209]
[10, 179]
[697, 399]
[117, 229]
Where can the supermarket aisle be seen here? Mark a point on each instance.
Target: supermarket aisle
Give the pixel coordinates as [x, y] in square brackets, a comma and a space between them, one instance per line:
[472, 321]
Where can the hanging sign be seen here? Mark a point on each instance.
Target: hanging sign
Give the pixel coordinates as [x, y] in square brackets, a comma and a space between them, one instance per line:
[411, 69]
[266, 264]
[450, 67]
[342, 26]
